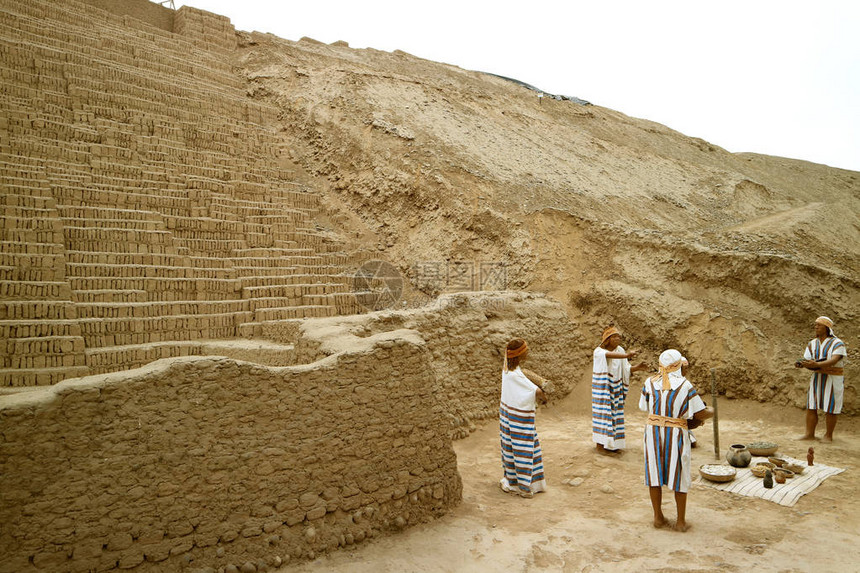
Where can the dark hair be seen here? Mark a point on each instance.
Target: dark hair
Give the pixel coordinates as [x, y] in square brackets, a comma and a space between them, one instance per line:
[515, 343]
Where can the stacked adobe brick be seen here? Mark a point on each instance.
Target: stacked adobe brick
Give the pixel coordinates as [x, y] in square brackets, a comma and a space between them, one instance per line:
[143, 205]
[207, 464]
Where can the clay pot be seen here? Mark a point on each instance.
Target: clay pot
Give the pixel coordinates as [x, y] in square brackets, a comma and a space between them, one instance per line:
[738, 456]
[779, 477]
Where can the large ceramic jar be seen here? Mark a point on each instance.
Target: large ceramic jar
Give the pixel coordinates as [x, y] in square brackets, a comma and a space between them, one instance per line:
[738, 456]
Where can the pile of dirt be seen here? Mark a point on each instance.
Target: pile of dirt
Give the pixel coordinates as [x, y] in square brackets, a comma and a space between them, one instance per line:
[728, 257]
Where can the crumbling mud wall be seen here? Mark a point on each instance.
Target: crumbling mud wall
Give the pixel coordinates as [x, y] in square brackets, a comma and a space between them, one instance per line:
[202, 463]
[465, 334]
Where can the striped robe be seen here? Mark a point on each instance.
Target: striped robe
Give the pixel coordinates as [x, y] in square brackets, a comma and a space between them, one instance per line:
[522, 461]
[825, 390]
[667, 450]
[610, 379]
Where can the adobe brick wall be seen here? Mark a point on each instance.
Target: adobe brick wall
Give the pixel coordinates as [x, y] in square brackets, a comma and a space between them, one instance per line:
[464, 333]
[143, 10]
[142, 205]
[207, 462]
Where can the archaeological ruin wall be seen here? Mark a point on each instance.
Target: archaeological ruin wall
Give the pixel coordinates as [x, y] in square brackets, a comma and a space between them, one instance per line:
[209, 462]
[144, 208]
[465, 334]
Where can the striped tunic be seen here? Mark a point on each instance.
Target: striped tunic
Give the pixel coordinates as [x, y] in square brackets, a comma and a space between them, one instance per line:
[825, 390]
[667, 450]
[609, 381]
[522, 461]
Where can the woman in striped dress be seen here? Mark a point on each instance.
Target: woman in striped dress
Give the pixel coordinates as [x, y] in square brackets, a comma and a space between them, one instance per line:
[673, 408]
[522, 461]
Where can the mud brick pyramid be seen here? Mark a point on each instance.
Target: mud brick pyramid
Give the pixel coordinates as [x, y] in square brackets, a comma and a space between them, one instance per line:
[143, 207]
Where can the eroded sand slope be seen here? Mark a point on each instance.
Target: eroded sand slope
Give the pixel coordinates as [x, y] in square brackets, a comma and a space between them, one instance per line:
[728, 257]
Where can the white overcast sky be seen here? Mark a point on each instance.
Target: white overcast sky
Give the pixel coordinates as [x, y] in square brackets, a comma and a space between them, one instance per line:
[766, 76]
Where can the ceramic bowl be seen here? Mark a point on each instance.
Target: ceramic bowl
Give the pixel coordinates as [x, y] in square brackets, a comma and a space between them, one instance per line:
[796, 468]
[778, 462]
[762, 448]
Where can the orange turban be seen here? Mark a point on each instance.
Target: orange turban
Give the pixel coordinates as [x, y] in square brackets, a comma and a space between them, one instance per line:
[609, 332]
[517, 351]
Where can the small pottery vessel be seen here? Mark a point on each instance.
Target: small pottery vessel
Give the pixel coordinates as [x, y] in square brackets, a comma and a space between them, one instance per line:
[796, 468]
[768, 480]
[738, 456]
[779, 477]
[788, 474]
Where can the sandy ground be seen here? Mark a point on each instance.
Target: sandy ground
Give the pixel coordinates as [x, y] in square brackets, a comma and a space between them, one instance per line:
[604, 524]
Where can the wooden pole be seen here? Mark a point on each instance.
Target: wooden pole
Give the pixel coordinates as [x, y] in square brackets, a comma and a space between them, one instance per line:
[716, 416]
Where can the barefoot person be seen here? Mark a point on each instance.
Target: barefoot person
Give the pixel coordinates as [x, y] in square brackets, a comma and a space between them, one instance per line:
[673, 408]
[824, 356]
[522, 462]
[610, 380]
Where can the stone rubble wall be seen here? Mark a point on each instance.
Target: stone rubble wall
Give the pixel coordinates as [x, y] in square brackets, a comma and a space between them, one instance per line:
[207, 464]
[143, 204]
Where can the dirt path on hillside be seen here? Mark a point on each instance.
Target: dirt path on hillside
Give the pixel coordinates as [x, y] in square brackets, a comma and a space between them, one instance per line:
[603, 524]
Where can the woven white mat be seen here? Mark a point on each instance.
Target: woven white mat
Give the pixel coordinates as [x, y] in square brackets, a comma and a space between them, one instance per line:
[745, 483]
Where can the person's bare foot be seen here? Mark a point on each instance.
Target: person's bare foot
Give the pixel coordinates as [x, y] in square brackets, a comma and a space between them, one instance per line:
[681, 526]
[827, 439]
[806, 438]
[661, 522]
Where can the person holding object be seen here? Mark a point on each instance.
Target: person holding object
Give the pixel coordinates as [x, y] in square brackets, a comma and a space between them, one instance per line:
[825, 357]
[522, 460]
[674, 408]
[610, 380]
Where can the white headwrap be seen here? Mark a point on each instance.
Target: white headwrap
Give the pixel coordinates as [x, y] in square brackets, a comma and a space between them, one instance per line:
[826, 322]
[670, 366]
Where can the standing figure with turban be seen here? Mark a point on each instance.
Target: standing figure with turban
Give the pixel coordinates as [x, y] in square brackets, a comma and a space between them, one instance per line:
[674, 408]
[610, 380]
[825, 357]
[522, 460]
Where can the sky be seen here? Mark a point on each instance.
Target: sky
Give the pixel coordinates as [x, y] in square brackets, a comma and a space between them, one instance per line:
[772, 77]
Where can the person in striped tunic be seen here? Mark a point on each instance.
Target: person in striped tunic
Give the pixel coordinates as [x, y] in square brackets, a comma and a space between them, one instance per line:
[522, 461]
[825, 357]
[610, 380]
[674, 407]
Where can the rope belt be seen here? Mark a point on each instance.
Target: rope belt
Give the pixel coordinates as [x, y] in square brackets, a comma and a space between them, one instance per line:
[832, 370]
[665, 422]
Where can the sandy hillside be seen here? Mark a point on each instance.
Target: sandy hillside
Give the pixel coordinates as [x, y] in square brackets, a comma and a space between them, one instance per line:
[604, 524]
[727, 256]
